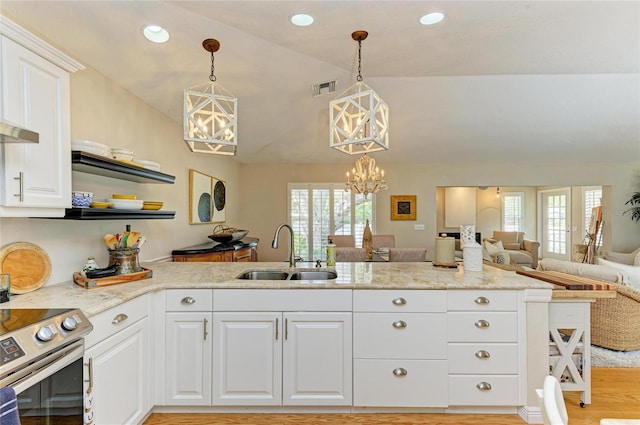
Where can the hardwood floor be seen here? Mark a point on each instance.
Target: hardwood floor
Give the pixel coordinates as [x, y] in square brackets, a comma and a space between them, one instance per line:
[615, 394]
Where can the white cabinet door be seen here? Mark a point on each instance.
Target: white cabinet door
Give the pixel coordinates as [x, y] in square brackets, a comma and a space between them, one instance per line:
[317, 359]
[188, 359]
[121, 376]
[247, 352]
[36, 96]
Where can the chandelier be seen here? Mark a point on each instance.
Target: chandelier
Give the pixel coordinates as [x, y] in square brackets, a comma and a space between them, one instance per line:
[365, 178]
[210, 114]
[359, 118]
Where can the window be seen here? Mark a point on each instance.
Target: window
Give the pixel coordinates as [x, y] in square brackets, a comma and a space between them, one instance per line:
[317, 210]
[592, 197]
[512, 211]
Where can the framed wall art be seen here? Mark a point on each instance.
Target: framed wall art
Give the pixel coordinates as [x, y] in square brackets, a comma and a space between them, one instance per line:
[403, 207]
[207, 198]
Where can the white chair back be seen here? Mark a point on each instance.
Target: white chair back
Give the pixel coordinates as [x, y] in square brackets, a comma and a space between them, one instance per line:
[551, 400]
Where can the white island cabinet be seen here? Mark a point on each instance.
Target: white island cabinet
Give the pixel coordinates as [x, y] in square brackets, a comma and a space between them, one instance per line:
[36, 177]
[118, 371]
[282, 347]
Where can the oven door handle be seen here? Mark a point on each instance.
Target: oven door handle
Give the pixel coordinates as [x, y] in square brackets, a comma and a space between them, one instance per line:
[47, 366]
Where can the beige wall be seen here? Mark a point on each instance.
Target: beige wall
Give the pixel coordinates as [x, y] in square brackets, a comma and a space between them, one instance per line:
[264, 194]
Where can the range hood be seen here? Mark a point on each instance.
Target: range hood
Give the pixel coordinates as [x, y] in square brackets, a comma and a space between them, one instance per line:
[11, 133]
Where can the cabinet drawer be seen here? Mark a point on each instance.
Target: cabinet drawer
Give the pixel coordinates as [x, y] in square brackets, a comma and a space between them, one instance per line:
[482, 327]
[483, 358]
[400, 335]
[482, 300]
[416, 301]
[500, 390]
[189, 300]
[115, 319]
[382, 383]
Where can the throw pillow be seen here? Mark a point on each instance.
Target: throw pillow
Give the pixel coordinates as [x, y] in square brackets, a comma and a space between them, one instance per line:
[501, 258]
[494, 248]
[636, 260]
[486, 256]
[631, 274]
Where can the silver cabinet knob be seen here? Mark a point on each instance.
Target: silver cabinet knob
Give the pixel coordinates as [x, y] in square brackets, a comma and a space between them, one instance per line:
[119, 318]
[482, 323]
[483, 386]
[399, 324]
[481, 300]
[483, 354]
[400, 371]
[188, 300]
[399, 301]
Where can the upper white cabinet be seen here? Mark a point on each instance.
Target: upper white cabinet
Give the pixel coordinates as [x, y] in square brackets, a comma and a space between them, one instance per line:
[35, 94]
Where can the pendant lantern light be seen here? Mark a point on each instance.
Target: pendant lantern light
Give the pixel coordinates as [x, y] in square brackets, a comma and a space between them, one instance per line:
[210, 114]
[358, 117]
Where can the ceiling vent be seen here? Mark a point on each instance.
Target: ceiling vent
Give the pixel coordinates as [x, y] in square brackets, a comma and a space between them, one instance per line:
[323, 88]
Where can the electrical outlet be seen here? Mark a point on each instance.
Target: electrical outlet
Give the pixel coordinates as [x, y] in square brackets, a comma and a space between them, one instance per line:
[418, 227]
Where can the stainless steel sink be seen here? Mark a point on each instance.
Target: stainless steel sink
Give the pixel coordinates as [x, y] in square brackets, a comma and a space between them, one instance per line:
[288, 275]
[264, 275]
[314, 275]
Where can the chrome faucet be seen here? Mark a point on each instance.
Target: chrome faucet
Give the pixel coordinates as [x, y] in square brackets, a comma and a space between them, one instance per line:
[274, 244]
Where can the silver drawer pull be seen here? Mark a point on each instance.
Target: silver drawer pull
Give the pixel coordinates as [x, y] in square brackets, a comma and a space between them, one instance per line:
[484, 386]
[482, 324]
[119, 318]
[400, 371]
[483, 354]
[481, 300]
[188, 300]
[400, 324]
[399, 301]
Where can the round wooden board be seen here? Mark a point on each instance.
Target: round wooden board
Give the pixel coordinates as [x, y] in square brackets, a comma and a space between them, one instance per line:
[28, 265]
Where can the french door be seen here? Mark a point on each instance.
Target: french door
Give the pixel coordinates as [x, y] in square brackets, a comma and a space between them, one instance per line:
[556, 224]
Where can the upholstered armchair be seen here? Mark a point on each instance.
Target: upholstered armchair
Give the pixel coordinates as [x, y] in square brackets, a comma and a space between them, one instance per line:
[523, 252]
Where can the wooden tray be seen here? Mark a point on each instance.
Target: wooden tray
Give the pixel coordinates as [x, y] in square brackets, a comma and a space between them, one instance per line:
[89, 283]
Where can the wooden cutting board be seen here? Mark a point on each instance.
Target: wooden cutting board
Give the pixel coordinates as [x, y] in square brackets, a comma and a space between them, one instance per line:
[27, 264]
[567, 280]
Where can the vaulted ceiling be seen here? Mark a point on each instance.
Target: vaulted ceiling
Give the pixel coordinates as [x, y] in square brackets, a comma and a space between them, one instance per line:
[495, 81]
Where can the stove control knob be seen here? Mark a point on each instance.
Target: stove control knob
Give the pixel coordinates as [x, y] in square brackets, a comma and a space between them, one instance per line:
[45, 334]
[69, 324]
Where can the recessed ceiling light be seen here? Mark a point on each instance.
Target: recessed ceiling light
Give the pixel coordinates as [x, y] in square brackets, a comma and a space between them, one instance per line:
[156, 34]
[301, 19]
[432, 18]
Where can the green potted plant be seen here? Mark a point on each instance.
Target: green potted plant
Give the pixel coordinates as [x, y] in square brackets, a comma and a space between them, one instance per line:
[635, 206]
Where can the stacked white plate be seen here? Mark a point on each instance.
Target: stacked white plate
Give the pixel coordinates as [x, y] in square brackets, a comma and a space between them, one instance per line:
[91, 147]
[150, 165]
[125, 204]
[121, 153]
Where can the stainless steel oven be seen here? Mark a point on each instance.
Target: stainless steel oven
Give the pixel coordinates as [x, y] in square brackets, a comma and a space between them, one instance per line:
[41, 353]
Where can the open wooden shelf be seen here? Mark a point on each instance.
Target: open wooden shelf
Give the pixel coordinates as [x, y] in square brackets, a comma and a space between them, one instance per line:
[112, 214]
[103, 166]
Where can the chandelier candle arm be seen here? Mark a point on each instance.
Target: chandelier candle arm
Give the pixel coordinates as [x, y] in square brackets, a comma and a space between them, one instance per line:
[365, 177]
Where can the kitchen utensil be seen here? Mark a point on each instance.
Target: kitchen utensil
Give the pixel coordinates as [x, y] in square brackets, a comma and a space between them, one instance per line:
[111, 241]
[28, 264]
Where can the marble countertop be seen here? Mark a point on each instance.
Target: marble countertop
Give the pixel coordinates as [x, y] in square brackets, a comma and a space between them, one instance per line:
[169, 275]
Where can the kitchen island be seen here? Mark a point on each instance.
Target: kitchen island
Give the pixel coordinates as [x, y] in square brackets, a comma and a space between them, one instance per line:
[380, 337]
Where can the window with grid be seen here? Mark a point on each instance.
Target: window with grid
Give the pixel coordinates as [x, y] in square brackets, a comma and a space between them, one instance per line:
[512, 211]
[591, 197]
[317, 210]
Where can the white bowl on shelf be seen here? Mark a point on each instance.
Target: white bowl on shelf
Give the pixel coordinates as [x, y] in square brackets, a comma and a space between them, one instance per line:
[125, 204]
[91, 147]
[150, 165]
